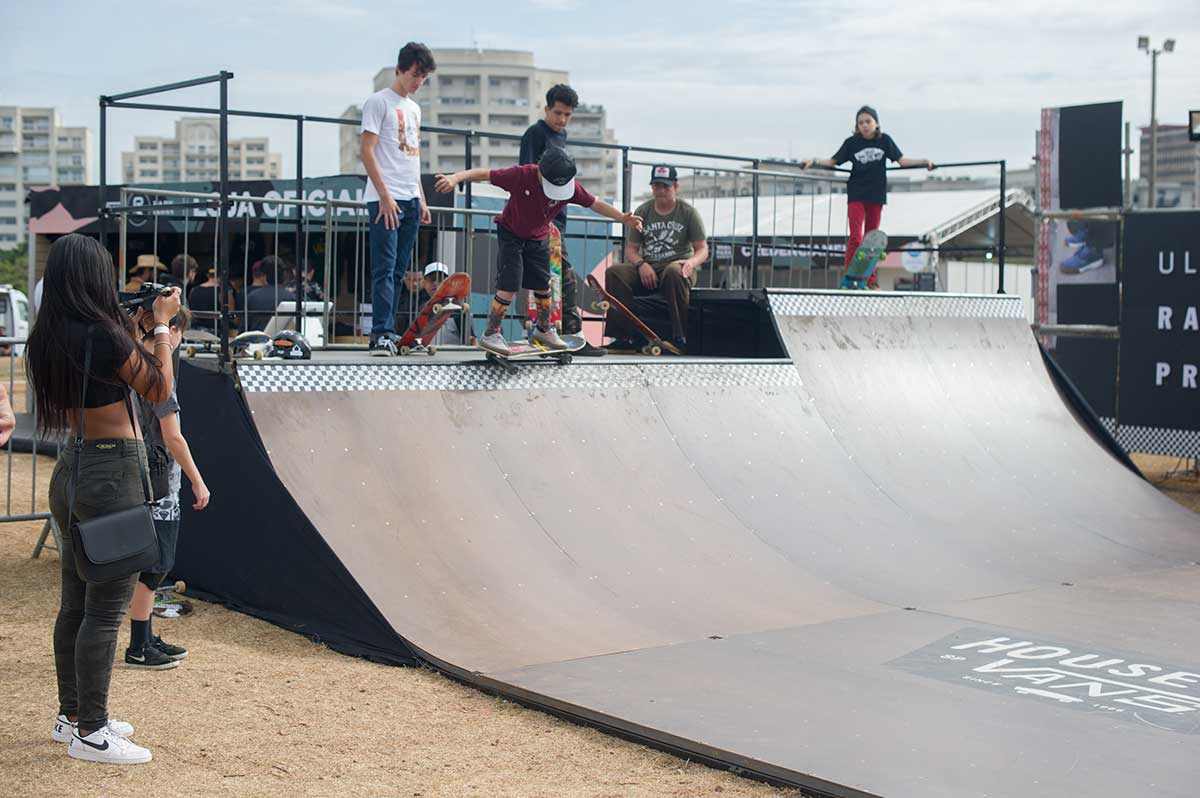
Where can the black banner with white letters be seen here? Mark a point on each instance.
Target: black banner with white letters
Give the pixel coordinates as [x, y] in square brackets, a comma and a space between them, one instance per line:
[1160, 322]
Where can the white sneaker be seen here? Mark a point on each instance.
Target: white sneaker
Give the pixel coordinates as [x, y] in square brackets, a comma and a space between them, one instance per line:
[104, 745]
[65, 729]
[548, 339]
[494, 342]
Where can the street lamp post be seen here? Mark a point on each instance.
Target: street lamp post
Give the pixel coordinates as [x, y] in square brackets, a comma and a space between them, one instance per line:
[1168, 47]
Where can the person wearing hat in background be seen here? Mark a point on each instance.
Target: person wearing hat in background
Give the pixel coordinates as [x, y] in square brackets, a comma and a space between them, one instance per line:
[662, 257]
[536, 193]
[868, 150]
[551, 131]
[434, 274]
[144, 271]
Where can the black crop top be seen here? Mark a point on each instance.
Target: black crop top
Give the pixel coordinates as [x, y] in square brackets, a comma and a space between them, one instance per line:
[105, 386]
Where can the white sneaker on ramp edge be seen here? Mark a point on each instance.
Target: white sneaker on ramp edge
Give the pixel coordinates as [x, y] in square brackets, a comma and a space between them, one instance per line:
[105, 745]
[549, 339]
[64, 729]
[494, 342]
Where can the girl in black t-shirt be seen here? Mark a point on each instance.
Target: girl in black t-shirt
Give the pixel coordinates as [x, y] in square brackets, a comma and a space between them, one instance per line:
[102, 473]
[868, 151]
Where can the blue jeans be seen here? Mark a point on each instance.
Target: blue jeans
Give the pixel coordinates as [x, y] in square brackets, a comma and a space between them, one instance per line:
[391, 250]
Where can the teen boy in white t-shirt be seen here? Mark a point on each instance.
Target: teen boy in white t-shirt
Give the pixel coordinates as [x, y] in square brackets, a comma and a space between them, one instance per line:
[390, 147]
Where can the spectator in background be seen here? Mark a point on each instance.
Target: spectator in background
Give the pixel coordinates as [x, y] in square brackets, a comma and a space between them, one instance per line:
[183, 270]
[203, 300]
[8, 421]
[144, 271]
[273, 278]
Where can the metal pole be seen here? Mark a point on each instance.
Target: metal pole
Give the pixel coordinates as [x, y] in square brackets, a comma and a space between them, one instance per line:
[467, 164]
[1128, 153]
[222, 220]
[626, 180]
[754, 227]
[103, 170]
[298, 256]
[1153, 127]
[1003, 212]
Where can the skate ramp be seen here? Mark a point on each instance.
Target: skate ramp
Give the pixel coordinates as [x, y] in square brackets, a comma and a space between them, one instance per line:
[807, 569]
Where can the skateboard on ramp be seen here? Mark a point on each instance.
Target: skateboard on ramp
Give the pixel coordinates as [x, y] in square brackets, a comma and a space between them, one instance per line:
[866, 258]
[252, 343]
[655, 344]
[556, 259]
[450, 298]
[527, 352]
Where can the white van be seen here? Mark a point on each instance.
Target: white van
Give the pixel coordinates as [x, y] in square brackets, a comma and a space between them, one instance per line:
[14, 318]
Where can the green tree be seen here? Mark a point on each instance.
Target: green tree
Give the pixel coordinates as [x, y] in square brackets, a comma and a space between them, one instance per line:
[14, 266]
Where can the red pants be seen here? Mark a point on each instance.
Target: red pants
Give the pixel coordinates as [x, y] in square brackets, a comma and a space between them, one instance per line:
[858, 213]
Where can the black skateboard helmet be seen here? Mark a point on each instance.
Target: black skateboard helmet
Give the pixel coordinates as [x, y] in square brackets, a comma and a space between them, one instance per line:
[290, 345]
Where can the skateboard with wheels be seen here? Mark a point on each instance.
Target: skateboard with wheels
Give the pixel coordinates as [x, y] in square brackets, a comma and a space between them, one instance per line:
[655, 345]
[252, 343]
[556, 266]
[169, 601]
[866, 258]
[450, 298]
[196, 341]
[521, 351]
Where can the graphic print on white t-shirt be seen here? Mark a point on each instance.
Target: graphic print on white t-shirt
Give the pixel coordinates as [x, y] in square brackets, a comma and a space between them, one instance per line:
[396, 120]
[869, 155]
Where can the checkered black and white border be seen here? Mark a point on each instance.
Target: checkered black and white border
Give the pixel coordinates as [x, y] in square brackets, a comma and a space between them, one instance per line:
[1155, 440]
[872, 303]
[296, 378]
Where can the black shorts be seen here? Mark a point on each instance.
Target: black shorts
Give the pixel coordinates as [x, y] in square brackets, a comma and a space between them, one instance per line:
[522, 262]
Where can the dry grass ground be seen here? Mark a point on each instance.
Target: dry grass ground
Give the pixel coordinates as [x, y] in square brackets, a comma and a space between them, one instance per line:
[256, 710]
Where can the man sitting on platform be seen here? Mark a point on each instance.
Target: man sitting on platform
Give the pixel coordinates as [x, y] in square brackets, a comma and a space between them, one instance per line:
[663, 257]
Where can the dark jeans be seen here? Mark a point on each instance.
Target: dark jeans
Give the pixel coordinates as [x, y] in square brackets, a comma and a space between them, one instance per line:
[85, 634]
[391, 251]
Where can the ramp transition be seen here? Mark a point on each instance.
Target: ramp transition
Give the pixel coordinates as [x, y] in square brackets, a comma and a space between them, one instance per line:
[892, 564]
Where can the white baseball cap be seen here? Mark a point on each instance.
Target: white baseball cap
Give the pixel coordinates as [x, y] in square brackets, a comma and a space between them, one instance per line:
[438, 267]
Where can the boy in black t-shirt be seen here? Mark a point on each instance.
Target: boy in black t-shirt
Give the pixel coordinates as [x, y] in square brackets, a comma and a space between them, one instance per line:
[868, 151]
[551, 131]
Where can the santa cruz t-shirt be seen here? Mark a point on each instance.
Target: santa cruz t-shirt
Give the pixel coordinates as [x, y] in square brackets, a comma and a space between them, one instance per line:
[868, 164]
[397, 122]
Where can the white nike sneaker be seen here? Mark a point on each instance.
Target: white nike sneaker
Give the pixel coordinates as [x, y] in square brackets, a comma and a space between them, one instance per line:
[105, 745]
[64, 729]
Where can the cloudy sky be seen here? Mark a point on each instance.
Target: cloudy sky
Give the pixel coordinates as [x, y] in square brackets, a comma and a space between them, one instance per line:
[951, 80]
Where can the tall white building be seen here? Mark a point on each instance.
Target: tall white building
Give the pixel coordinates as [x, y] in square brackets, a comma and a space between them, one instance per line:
[35, 150]
[194, 154]
[498, 91]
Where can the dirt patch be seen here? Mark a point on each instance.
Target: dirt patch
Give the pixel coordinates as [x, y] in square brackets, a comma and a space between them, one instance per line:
[1174, 476]
[255, 710]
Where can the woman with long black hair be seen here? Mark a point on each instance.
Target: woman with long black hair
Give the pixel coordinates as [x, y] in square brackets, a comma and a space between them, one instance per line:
[80, 305]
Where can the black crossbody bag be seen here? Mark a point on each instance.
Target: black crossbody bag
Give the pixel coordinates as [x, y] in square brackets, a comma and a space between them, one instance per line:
[112, 546]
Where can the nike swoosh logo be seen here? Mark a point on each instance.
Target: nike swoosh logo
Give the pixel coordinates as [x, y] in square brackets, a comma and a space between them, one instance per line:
[93, 745]
[138, 658]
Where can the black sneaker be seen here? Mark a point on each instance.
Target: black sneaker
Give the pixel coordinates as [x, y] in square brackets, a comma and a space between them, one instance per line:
[383, 346]
[591, 351]
[148, 658]
[168, 650]
[625, 345]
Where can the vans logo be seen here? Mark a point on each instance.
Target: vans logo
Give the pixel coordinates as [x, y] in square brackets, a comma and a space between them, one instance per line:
[1103, 683]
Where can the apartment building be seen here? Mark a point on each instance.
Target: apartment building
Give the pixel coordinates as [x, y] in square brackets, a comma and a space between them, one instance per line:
[194, 155]
[35, 150]
[1177, 155]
